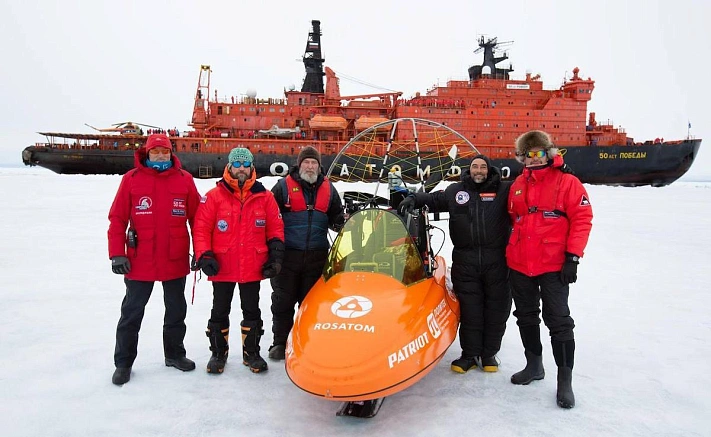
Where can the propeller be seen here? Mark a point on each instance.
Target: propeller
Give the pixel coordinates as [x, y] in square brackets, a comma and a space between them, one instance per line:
[136, 124]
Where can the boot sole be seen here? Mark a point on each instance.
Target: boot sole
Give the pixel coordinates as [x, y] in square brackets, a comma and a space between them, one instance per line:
[566, 405]
[458, 369]
[491, 369]
[255, 369]
[215, 370]
[528, 381]
[184, 369]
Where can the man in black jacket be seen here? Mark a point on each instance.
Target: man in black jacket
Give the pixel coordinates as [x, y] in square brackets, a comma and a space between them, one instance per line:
[479, 226]
[310, 205]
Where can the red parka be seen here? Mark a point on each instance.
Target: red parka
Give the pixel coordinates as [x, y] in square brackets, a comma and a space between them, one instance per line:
[158, 205]
[236, 226]
[551, 215]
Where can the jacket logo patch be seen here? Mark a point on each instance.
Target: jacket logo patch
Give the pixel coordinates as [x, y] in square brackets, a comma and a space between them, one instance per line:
[260, 223]
[203, 199]
[487, 197]
[179, 203]
[517, 193]
[144, 203]
[551, 214]
[178, 212]
[584, 201]
[295, 189]
[222, 225]
[461, 197]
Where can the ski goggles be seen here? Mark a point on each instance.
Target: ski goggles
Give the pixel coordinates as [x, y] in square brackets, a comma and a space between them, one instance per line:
[238, 164]
[535, 153]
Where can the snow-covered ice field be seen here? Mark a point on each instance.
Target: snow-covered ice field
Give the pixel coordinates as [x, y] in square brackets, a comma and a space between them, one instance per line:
[641, 307]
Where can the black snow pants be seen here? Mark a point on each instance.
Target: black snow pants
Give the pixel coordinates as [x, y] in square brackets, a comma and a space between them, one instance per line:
[485, 304]
[300, 271]
[132, 311]
[222, 294]
[529, 292]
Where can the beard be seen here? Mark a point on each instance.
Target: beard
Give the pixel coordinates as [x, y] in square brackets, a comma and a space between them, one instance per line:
[479, 178]
[241, 177]
[308, 177]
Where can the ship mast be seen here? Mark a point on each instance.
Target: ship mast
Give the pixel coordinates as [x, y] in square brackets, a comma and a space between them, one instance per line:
[313, 61]
[490, 61]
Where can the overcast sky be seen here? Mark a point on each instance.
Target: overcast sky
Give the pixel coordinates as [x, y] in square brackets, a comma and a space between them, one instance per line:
[66, 63]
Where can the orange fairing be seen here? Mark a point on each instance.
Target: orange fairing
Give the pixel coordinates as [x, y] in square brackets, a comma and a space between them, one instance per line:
[375, 323]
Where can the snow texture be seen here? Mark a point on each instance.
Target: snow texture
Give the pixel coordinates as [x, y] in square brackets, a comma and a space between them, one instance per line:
[639, 305]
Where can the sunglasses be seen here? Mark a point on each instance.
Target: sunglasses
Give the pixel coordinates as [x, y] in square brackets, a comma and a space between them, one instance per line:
[536, 154]
[238, 164]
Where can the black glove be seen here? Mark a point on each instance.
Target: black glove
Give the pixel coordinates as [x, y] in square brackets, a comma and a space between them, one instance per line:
[272, 267]
[120, 265]
[569, 272]
[207, 263]
[270, 270]
[407, 205]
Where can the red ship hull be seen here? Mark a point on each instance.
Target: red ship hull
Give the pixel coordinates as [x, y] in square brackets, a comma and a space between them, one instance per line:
[490, 110]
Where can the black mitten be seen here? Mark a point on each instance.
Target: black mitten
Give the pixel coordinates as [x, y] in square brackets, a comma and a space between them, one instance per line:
[120, 265]
[569, 272]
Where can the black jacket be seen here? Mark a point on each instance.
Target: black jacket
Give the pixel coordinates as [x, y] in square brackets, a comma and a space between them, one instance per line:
[479, 223]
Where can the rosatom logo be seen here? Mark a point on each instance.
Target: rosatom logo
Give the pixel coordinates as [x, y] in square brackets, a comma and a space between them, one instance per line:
[351, 307]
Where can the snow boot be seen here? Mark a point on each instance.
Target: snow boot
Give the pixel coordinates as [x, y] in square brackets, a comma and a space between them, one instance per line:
[532, 372]
[219, 345]
[488, 364]
[463, 364]
[277, 352]
[251, 333]
[180, 363]
[564, 353]
[531, 339]
[121, 375]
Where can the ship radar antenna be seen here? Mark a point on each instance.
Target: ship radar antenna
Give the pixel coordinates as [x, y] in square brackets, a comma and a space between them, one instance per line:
[488, 66]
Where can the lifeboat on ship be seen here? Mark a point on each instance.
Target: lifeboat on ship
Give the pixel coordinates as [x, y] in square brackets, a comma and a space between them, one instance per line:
[380, 317]
[366, 122]
[328, 122]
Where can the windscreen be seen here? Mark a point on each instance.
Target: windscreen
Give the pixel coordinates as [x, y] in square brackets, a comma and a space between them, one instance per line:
[376, 241]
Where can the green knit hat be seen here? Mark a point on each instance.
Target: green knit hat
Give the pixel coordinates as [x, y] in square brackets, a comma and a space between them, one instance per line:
[240, 154]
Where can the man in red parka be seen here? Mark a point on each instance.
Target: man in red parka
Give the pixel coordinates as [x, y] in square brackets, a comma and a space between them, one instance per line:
[238, 239]
[552, 218]
[155, 201]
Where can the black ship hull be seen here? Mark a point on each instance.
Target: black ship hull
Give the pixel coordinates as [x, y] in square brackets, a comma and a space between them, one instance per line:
[648, 164]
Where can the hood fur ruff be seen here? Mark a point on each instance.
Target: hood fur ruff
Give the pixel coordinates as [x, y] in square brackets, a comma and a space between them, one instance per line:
[532, 139]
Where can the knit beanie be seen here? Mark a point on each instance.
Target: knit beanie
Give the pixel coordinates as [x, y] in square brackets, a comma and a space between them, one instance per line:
[308, 152]
[240, 154]
[532, 139]
[483, 157]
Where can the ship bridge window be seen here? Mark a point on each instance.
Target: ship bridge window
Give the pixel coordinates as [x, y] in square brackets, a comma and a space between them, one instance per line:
[219, 110]
[282, 110]
[271, 109]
